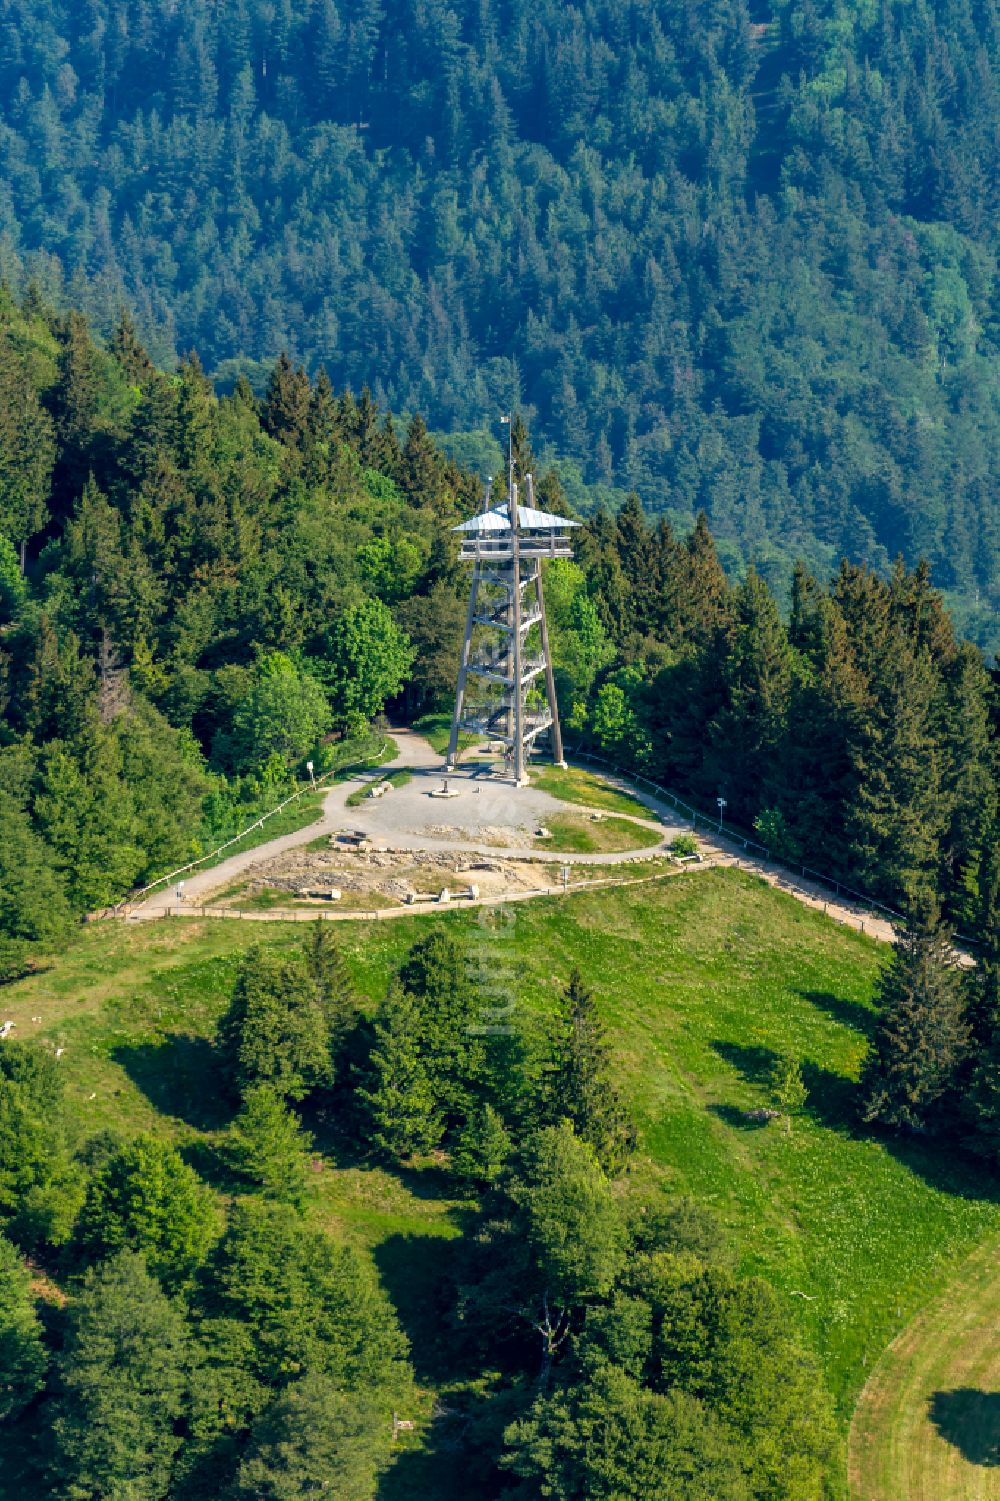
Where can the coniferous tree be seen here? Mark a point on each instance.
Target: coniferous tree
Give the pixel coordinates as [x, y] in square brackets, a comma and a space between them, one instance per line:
[275, 1031]
[286, 413]
[311, 1303]
[581, 1088]
[920, 1037]
[269, 1148]
[397, 1094]
[550, 1242]
[422, 468]
[74, 402]
[123, 1387]
[145, 1198]
[481, 1148]
[337, 996]
[27, 452]
[34, 910]
[129, 352]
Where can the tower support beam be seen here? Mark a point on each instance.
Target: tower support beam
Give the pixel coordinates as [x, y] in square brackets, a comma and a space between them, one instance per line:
[506, 646]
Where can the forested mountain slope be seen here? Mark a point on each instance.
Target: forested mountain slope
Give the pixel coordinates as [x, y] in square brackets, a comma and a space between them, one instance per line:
[738, 256]
[217, 590]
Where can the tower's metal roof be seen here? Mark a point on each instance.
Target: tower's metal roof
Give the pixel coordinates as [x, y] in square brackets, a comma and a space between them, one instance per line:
[498, 520]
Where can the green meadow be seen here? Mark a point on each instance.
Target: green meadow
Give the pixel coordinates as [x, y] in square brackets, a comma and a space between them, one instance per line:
[701, 976]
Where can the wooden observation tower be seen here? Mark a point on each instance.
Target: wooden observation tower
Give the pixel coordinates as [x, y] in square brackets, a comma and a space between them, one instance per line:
[512, 696]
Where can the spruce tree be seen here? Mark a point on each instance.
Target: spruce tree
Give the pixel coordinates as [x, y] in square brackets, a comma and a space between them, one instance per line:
[27, 452]
[980, 1101]
[33, 904]
[146, 1198]
[436, 974]
[287, 403]
[275, 1031]
[482, 1148]
[756, 670]
[128, 351]
[74, 401]
[337, 997]
[921, 1037]
[269, 1147]
[123, 1387]
[422, 468]
[787, 1087]
[397, 1095]
[580, 1087]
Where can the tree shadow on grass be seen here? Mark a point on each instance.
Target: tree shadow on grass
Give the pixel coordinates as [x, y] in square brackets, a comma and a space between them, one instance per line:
[849, 1013]
[211, 1162]
[754, 1064]
[458, 1455]
[419, 1272]
[834, 1101]
[970, 1421]
[178, 1073]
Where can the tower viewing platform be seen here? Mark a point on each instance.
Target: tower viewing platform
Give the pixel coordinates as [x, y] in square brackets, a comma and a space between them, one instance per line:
[505, 653]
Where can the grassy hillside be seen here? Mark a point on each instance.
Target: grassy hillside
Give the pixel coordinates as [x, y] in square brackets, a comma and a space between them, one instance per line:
[701, 977]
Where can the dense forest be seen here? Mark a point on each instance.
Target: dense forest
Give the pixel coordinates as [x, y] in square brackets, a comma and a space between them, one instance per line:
[739, 256]
[197, 594]
[214, 590]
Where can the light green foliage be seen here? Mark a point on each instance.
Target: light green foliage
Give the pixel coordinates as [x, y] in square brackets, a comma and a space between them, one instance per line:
[124, 1376]
[772, 830]
[87, 815]
[13, 591]
[23, 1359]
[311, 1303]
[608, 1439]
[282, 712]
[33, 905]
[366, 659]
[276, 1030]
[268, 1146]
[788, 1087]
[580, 644]
[389, 567]
[684, 844]
[146, 1198]
[317, 1437]
[615, 719]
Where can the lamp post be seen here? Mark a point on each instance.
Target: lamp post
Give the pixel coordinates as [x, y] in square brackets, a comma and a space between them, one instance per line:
[722, 808]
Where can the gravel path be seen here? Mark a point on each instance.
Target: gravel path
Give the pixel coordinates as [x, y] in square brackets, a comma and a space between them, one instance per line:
[408, 818]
